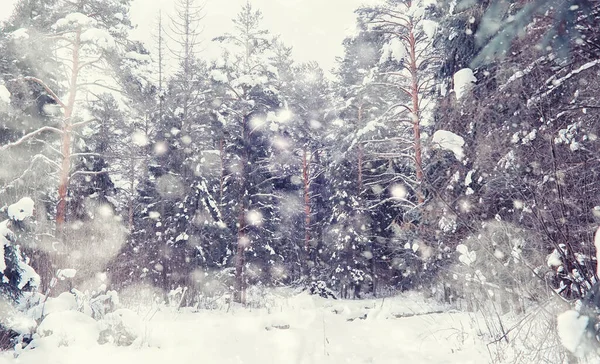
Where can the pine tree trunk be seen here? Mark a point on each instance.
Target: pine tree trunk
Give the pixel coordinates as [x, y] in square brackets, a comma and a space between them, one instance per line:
[373, 270]
[360, 169]
[132, 195]
[307, 211]
[160, 68]
[416, 112]
[360, 147]
[239, 258]
[61, 209]
[360, 153]
[239, 295]
[222, 177]
[318, 228]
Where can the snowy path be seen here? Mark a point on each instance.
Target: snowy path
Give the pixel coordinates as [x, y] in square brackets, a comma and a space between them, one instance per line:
[316, 335]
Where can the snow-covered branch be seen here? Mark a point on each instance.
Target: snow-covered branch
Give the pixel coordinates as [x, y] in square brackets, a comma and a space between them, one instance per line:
[82, 123]
[29, 136]
[82, 85]
[16, 182]
[87, 173]
[558, 82]
[47, 88]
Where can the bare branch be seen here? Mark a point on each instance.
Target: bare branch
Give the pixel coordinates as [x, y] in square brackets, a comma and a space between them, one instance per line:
[85, 64]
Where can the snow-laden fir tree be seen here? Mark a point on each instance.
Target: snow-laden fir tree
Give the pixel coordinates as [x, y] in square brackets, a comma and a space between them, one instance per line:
[16, 275]
[251, 110]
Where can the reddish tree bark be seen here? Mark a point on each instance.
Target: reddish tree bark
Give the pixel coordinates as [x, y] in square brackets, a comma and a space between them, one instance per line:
[416, 111]
[63, 187]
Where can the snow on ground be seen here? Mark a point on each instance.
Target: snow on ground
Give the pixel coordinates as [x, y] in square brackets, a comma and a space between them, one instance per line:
[301, 329]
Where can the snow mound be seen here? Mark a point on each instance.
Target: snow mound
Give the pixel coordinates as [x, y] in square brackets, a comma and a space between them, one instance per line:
[21, 210]
[571, 328]
[554, 259]
[449, 141]
[67, 328]
[466, 257]
[28, 274]
[4, 95]
[219, 76]
[20, 34]
[76, 20]
[66, 273]
[299, 328]
[430, 27]
[122, 327]
[64, 302]
[99, 37]
[463, 80]
[393, 50]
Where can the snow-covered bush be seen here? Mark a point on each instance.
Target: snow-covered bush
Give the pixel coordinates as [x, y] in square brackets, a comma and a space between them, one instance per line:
[206, 302]
[320, 288]
[15, 272]
[526, 338]
[16, 275]
[96, 304]
[579, 327]
[261, 296]
[122, 327]
[211, 290]
[501, 274]
[578, 330]
[501, 263]
[571, 327]
[83, 319]
[66, 328]
[140, 294]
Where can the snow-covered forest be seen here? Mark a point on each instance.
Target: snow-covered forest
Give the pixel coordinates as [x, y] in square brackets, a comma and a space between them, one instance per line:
[433, 198]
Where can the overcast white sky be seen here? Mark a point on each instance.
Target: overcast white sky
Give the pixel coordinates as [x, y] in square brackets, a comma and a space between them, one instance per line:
[315, 28]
